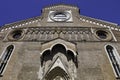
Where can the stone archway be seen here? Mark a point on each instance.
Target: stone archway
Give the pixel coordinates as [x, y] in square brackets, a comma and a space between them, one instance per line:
[57, 74]
[58, 60]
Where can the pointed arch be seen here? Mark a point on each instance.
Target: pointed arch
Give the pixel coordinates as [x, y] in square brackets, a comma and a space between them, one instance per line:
[114, 59]
[5, 58]
[57, 72]
[62, 56]
[57, 69]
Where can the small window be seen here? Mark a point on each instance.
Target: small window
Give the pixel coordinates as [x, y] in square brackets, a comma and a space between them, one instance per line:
[16, 34]
[114, 59]
[5, 57]
[60, 16]
[103, 35]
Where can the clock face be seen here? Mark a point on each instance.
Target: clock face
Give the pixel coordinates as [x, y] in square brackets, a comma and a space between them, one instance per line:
[60, 16]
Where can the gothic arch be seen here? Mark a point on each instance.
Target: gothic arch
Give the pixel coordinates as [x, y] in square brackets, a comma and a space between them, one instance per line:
[56, 73]
[114, 59]
[65, 44]
[58, 48]
[5, 57]
[58, 60]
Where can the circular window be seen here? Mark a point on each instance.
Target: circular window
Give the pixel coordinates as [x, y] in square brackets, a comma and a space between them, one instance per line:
[103, 35]
[15, 35]
[60, 16]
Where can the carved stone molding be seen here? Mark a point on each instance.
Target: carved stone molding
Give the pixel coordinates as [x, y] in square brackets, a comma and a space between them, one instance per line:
[43, 34]
[70, 34]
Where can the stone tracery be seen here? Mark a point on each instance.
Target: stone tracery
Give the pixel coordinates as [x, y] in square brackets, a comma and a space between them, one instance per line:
[60, 60]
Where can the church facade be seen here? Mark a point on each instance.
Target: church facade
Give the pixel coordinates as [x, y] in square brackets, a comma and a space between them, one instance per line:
[61, 44]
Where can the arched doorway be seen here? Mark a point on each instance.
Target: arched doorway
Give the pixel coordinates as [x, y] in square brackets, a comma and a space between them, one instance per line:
[57, 74]
[58, 60]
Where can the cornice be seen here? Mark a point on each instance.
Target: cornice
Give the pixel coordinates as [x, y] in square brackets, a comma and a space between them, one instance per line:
[21, 23]
[98, 22]
[102, 23]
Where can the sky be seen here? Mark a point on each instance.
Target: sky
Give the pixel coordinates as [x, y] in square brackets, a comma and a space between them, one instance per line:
[16, 10]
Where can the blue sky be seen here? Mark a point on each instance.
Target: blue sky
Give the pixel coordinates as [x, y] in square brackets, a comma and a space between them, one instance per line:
[16, 10]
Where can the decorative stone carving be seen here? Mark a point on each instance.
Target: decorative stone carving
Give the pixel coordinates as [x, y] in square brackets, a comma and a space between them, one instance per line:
[70, 34]
[58, 60]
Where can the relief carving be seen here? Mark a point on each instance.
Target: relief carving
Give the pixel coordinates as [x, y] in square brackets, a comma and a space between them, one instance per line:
[70, 34]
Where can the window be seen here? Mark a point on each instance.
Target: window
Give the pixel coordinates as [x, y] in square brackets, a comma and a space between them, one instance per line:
[103, 35]
[5, 57]
[16, 34]
[60, 16]
[114, 59]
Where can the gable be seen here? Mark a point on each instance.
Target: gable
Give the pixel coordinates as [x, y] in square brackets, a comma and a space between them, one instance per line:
[58, 63]
[78, 20]
[58, 68]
